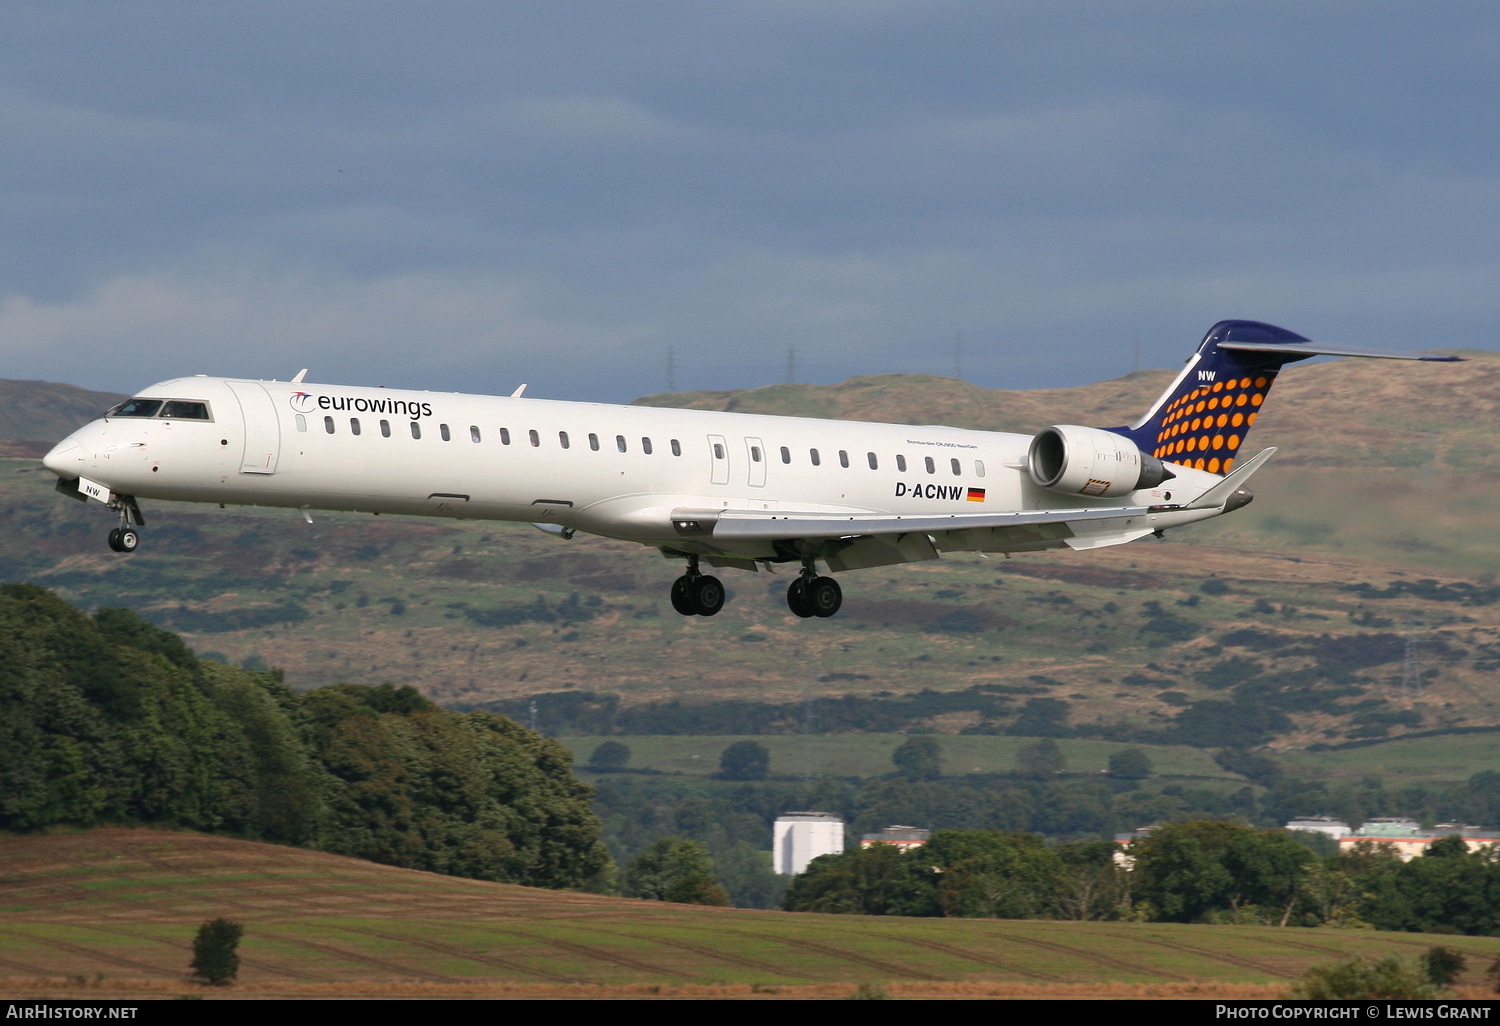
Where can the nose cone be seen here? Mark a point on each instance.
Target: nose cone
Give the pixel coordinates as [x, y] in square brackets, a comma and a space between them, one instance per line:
[66, 459]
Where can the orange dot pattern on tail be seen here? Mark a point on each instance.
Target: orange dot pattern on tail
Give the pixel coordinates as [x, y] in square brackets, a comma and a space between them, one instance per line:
[1194, 422]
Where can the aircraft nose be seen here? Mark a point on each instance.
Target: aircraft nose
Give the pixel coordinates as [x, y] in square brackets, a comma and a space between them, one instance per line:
[66, 458]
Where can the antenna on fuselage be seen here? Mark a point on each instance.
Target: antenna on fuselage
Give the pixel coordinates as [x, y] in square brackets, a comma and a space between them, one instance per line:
[300, 375]
[517, 393]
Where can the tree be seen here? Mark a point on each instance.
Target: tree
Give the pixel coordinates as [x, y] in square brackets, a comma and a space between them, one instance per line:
[992, 874]
[674, 869]
[745, 760]
[748, 877]
[215, 959]
[881, 880]
[611, 755]
[1393, 978]
[919, 758]
[1130, 764]
[1444, 965]
[1041, 761]
[1093, 884]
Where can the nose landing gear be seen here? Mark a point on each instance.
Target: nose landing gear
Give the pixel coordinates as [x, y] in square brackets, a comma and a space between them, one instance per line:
[697, 594]
[810, 595]
[125, 538]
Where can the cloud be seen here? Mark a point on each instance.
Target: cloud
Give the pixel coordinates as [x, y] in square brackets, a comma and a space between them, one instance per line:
[476, 193]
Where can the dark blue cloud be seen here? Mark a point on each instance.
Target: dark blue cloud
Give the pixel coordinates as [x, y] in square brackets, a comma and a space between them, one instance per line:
[471, 194]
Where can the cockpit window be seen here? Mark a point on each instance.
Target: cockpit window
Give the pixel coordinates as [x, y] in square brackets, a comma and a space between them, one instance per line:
[170, 409]
[183, 409]
[136, 408]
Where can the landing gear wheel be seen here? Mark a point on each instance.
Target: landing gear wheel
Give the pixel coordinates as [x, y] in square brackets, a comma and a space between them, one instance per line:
[682, 596]
[796, 599]
[129, 540]
[708, 595]
[824, 596]
[114, 539]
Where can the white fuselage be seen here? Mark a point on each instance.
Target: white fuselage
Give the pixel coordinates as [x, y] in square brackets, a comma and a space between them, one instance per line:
[617, 471]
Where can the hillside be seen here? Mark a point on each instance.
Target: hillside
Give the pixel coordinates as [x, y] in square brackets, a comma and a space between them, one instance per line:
[1342, 413]
[114, 912]
[35, 414]
[1126, 641]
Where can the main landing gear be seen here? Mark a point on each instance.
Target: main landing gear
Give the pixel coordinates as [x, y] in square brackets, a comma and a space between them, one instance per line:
[811, 595]
[697, 594]
[124, 538]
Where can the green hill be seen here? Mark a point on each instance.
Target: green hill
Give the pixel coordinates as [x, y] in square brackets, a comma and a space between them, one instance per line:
[35, 414]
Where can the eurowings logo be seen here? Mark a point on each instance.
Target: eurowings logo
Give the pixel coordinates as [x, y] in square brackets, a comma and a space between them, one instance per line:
[302, 402]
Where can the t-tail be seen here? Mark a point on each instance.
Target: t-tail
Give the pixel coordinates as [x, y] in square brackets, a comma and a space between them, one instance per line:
[1201, 420]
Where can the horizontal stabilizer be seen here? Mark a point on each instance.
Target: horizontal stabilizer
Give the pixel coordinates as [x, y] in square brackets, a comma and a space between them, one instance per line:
[1304, 350]
[749, 526]
[1219, 494]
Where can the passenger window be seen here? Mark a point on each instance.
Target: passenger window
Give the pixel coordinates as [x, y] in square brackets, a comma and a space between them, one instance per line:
[786, 455]
[901, 464]
[385, 428]
[620, 442]
[136, 408]
[536, 439]
[505, 436]
[179, 409]
[473, 432]
[843, 458]
[931, 467]
[957, 467]
[676, 447]
[755, 454]
[328, 424]
[301, 422]
[416, 430]
[718, 451]
[874, 463]
[443, 430]
[354, 425]
[646, 446]
[979, 468]
[817, 460]
[593, 441]
[562, 439]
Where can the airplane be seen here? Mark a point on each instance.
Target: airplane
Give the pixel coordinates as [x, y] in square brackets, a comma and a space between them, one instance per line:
[726, 489]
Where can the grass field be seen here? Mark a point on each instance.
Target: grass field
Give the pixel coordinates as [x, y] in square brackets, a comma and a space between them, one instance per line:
[1444, 759]
[868, 755]
[114, 911]
[1402, 762]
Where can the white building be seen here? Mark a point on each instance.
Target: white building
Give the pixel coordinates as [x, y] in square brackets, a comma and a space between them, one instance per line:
[1334, 828]
[800, 837]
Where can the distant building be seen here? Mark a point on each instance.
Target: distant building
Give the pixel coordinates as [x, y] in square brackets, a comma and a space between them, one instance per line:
[1334, 828]
[1409, 839]
[1122, 856]
[800, 837]
[903, 837]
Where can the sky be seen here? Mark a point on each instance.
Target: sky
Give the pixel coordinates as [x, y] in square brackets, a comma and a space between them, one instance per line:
[471, 195]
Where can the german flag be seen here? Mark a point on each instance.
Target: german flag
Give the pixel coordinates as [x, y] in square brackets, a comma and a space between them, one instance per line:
[976, 495]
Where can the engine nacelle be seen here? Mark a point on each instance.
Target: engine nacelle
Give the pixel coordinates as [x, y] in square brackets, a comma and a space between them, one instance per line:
[1079, 460]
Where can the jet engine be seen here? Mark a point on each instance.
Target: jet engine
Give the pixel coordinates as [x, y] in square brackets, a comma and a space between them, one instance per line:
[1087, 461]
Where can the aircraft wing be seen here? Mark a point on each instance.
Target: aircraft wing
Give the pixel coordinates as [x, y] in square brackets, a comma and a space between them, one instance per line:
[741, 525]
[1303, 350]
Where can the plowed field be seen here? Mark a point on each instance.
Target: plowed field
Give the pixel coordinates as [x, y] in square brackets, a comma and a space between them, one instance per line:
[114, 911]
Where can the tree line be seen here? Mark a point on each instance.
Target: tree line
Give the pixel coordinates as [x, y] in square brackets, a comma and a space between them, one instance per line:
[1186, 872]
[108, 719]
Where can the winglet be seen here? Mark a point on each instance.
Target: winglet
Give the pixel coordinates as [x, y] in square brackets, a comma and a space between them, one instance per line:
[300, 375]
[1219, 494]
[517, 393]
